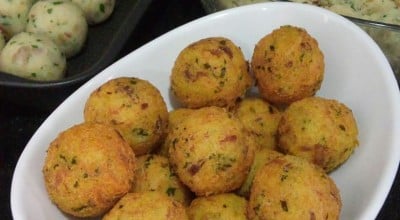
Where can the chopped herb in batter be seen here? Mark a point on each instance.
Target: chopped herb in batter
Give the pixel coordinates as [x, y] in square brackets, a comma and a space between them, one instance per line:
[171, 191]
[140, 132]
[102, 8]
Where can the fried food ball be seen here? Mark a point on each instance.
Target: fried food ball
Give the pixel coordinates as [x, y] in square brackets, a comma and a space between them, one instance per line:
[63, 21]
[252, 148]
[33, 56]
[260, 119]
[262, 156]
[290, 187]
[226, 206]
[174, 117]
[147, 205]
[209, 151]
[96, 11]
[153, 173]
[13, 16]
[288, 65]
[88, 168]
[323, 131]
[210, 72]
[134, 107]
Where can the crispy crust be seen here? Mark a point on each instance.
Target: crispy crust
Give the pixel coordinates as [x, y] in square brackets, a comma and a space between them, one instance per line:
[261, 120]
[226, 206]
[262, 156]
[88, 167]
[290, 187]
[209, 151]
[147, 205]
[134, 107]
[210, 72]
[321, 130]
[174, 117]
[153, 173]
[288, 65]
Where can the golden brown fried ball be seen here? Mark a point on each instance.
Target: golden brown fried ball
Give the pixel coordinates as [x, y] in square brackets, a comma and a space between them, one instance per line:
[226, 206]
[321, 130]
[174, 117]
[260, 119]
[88, 167]
[288, 65]
[134, 107]
[153, 173]
[209, 151]
[262, 156]
[210, 72]
[147, 205]
[252, 149]
[290, 187]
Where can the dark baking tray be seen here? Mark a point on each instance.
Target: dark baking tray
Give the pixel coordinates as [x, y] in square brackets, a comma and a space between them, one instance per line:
[102, 47]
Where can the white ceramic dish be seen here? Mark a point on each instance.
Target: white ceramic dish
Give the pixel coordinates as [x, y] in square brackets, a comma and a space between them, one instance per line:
[357, 74]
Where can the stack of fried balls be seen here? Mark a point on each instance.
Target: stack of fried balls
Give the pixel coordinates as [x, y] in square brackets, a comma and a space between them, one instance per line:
[247, 140]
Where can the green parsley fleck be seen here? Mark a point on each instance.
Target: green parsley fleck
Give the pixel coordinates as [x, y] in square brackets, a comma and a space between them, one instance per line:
[102, 8]
[171, 191]
[140, 132]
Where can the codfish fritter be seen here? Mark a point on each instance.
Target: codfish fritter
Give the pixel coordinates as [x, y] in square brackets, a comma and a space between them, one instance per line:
[174, 117]
[260, 119]
[288, 65]
[210, 72]
[226, 206]
[262, 156]
[147, 205]
[134, 107]
[153, 173]
[323, 131]
[209, 151]
[88, 167]
[290, 187]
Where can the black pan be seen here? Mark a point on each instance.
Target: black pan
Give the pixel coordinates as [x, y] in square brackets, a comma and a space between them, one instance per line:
[102, 47]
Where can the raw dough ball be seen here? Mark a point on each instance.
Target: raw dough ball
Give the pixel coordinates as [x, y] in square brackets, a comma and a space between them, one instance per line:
[33, 56]
[2, 41]
[63, 21]
[96, 11]
[13, 16]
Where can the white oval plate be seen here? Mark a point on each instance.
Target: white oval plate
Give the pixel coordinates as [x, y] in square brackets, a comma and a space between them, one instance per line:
[357, 74]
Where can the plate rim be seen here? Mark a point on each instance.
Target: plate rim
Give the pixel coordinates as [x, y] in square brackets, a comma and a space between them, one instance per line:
[389, 174]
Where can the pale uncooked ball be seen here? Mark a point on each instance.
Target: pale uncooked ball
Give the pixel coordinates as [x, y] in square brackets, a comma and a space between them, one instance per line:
[64, 21]
[33, 56]
[13, 15]
[96, 11]
[2, 41]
